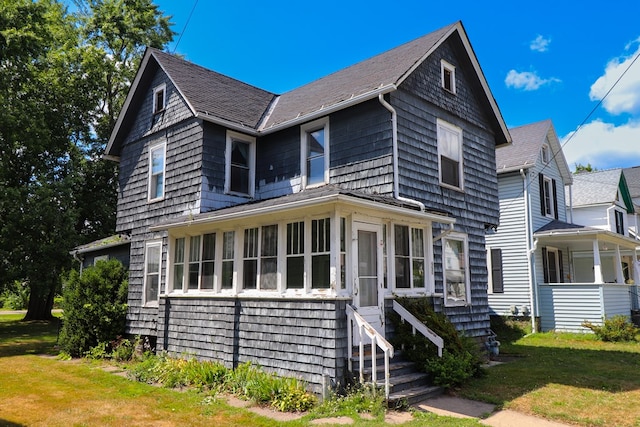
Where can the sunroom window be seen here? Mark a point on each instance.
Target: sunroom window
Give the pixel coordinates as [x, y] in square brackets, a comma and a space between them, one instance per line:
[455, 266]
[260, 258]
[295, 255]
[320, 253]
[409, 257]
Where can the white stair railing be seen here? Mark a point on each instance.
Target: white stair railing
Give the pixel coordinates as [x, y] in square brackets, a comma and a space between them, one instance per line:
[377, 340]
[419, 326]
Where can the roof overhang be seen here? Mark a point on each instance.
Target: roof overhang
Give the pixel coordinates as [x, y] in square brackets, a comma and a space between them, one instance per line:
[243, 212]
[583, 238]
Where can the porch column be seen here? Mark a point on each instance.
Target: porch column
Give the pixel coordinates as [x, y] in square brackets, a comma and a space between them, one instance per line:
[597, 268]
[619, 275]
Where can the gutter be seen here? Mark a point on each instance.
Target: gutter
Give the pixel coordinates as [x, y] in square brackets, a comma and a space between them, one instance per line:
[394, 139]
[334, 198]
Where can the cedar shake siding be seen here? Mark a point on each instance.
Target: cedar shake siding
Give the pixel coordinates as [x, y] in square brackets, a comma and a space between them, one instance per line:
[293, 328]
[305, 338]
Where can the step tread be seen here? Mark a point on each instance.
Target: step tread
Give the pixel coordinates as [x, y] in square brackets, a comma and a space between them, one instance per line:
[392, 366]
[415, 392]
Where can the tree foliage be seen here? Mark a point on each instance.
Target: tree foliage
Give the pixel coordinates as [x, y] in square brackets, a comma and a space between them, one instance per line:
[95, 307]
[63, 79]
[584, 168]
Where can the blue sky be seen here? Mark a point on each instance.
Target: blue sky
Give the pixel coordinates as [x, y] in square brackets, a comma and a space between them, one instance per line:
[543, 60]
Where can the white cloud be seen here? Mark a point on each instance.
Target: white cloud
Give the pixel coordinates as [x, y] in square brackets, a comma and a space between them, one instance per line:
[526, 80]
[625, 97]
[540, 44]
[603, 145]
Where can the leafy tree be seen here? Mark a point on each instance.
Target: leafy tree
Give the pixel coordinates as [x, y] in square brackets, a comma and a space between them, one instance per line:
[95, 306]
[584, 168]
[63, 80]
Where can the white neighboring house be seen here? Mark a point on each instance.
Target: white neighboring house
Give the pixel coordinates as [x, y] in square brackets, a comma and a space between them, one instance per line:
[543, 264]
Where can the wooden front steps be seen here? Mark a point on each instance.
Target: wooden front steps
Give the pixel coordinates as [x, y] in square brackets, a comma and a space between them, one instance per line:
[408, 386]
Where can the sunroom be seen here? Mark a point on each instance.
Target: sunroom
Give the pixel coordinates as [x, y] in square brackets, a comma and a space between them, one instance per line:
[269, 282]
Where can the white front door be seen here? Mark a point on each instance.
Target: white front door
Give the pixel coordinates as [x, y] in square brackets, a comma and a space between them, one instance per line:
[368, 284]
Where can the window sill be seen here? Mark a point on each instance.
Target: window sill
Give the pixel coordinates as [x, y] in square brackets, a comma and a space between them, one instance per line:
[452, 187]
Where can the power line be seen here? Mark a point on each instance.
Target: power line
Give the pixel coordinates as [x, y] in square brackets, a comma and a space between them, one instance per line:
[185, 26]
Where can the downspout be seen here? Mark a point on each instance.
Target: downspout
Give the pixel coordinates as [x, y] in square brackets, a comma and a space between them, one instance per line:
[394, 140]
[531, 266]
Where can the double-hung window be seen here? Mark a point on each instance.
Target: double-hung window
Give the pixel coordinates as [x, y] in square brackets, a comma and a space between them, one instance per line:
[320, 253]
[240, 164]
[152, 264]
[455, 269]
[178, 264]
[409, 257]
[552, 265]
[548, 197]
[619, 216]
[295, 255]
[156, 172]
[315, 152]
[260, 262]
[228, 255]
[450, 154]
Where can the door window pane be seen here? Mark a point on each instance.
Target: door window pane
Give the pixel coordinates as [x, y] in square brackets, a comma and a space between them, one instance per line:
[367, 268]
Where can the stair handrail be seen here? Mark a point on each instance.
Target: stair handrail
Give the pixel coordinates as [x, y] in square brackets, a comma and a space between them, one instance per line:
[417, 325]
[377, 340]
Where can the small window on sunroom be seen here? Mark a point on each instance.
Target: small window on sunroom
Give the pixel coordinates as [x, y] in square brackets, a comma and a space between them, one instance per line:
[159, 99]
[448, 73]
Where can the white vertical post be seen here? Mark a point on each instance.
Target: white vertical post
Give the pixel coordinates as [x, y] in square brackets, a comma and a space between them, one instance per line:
[597, 267]
[619, 275]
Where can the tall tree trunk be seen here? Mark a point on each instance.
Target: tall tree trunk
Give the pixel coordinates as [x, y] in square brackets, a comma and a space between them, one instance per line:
[40, 303]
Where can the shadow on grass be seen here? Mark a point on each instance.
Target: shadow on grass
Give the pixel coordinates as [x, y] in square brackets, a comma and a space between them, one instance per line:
[18, 337]
[5, 423]
[546, 359]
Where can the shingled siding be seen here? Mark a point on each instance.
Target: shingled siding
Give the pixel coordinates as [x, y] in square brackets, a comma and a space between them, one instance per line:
[360, 149]
[419, 103]
[292, 337]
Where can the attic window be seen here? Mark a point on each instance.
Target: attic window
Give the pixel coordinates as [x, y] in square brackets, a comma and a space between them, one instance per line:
[545, 154]
[159, 98]
[448, 73]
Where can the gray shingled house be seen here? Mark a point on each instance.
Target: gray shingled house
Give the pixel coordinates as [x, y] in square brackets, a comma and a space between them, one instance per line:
[562, 253]
[261, 223]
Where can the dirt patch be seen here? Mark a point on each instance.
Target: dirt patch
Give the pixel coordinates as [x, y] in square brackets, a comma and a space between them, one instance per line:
[261, 410]
[397, 417]
[333, 420]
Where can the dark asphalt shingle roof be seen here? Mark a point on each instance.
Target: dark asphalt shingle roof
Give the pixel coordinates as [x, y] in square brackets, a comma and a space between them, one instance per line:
[215, 94]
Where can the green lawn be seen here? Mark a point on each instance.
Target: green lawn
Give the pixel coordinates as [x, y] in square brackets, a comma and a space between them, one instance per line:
[38, 389]
[571, 378]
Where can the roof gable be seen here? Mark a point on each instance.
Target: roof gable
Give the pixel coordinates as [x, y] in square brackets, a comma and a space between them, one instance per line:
[524, 151]
[229, 102]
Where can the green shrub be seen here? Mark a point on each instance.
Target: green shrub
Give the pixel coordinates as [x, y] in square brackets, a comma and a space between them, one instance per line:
[355, 399]
[451, 370]
[94, 307]
[616, 328]
[462, 357]
[16, 296]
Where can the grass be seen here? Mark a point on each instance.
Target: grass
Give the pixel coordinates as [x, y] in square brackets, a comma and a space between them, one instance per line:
[571, 378]
[38, 389]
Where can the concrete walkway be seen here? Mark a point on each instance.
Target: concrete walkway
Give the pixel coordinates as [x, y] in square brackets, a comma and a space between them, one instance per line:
[464, 408]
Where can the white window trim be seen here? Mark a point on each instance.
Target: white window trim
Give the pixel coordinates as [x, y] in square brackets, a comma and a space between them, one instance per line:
[147, 246]
[235, 136]
[100, 258]
[444, 65]
[161, 88]
[544, 153]
[447, 302]
[428, 287]
[455, 129]
[304, 129]
[153, 148]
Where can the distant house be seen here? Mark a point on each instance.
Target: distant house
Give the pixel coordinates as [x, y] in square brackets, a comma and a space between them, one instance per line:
[259, 221]
[543, 264]
[112, 247]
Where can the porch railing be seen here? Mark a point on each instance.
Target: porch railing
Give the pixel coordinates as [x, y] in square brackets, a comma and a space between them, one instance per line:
[377, 340]
[419, 326]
